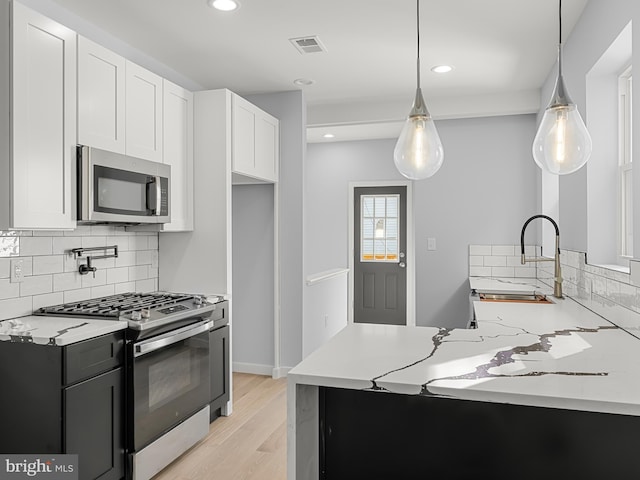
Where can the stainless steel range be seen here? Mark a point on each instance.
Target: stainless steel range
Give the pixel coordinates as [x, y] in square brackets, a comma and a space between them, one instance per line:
[168, 376]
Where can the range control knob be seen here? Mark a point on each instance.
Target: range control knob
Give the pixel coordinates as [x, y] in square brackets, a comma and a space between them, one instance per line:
[199, 300]
[136, 315]
[145, 313]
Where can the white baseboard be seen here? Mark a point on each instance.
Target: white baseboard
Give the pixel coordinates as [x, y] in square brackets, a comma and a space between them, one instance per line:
[259, 369]
[280, 372]
[255, 368]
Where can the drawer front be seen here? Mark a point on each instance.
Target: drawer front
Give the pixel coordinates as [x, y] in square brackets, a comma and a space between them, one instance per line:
[220, 315]
[92, 357]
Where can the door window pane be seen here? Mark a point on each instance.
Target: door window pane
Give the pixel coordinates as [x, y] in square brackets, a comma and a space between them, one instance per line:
[379, 227]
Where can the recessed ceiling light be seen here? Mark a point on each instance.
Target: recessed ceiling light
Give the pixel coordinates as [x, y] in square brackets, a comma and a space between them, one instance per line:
[328, 135]
[303, 82]
[442, 68]
[224, 5]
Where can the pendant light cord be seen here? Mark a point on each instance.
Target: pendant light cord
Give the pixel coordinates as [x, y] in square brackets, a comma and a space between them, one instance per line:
[559, 22]
[418, 37]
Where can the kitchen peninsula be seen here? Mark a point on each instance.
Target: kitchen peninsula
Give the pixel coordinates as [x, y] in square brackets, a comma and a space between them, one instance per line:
[536, 389]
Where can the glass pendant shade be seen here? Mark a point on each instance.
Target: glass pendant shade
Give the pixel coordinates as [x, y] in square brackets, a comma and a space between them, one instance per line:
[562, 144]
[418, 153]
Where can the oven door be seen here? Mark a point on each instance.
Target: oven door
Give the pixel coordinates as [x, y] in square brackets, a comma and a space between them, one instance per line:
[170, 380]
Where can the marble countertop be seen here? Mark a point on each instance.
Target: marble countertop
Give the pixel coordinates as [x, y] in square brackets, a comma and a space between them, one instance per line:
[558, 355]
[55, 330]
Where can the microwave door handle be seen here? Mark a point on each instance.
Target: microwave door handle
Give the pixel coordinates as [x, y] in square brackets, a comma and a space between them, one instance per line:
[154, 194]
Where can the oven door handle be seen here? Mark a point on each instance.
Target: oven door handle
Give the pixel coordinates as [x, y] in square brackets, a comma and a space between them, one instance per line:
[170, 338]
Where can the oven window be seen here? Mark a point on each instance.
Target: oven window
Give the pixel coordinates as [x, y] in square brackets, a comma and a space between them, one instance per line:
[172, 378]
[169, 385]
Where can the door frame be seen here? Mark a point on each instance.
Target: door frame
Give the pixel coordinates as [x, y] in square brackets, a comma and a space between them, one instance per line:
[411, 277]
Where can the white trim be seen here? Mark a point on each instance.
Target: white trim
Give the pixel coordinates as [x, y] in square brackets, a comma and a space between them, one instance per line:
[276, 272]
[411, 257]
[326, 275]
[254, 368]
[280, 372]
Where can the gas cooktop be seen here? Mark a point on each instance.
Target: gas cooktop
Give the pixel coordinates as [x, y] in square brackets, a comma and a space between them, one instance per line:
[140, 310]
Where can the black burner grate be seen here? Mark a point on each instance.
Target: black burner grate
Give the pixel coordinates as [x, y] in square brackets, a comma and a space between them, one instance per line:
[114, 306]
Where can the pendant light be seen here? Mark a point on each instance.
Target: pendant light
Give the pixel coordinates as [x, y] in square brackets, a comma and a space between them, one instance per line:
[562, 144]
[418, 153]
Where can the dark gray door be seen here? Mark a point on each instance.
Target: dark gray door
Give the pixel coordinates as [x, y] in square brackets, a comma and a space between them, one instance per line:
[380, 241]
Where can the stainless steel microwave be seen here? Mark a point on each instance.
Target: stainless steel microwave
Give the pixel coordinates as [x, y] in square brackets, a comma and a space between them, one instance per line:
[115, 188]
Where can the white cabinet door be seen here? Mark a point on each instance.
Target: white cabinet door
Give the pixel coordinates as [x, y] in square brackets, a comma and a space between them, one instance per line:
[267, 145]
[101, 97]
[44, 121]
[243, 135]
[256, 141]
[143, 113]
[178, 152]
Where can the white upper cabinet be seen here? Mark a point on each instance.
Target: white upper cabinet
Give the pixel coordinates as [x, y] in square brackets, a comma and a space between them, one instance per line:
[39, 120]
[178, 152]
[143, 113]
[255, 142]
[101, 97]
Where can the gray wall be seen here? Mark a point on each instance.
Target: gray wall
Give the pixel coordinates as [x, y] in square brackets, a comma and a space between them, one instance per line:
[253, 268]
[600, 24]
[485, 190]
[290, 109]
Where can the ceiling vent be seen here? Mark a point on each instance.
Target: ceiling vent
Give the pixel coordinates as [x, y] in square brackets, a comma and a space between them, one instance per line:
[308, 44]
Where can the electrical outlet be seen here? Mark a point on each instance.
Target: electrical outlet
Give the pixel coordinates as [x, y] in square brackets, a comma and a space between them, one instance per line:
[326, 320]
[17, 273]
[431, 243]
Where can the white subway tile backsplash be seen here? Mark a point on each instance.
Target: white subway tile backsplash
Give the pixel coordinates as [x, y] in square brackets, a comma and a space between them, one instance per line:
[51, 275]
[143, 257]
[48, 264]
[503, 250]
[36, 285]
[524, 272]
[62, 245]
[502, 272]
[124, 287]
[47, 299]
[118, 275]
[8, 289]
[514, 261]
[495, 261]
[479, 271]
[126, 259]
[79, 295]
[479, 249]
[102, 291]
[95, 279]
[67, 281]
[91, 242]
[140, 272]
[139, 243]
[5, 264]
[149, 285]
[15, 307]
[36, 246]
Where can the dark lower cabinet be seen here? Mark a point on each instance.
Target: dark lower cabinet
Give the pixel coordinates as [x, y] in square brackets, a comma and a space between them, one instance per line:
[219, 364]
[66, 400]
[371, 435]
[219, 361]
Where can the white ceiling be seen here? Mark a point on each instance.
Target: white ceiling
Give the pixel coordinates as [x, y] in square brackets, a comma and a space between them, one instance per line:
[501, 50]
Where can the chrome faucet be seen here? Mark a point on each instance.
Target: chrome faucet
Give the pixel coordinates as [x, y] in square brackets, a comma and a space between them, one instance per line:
[557, 280]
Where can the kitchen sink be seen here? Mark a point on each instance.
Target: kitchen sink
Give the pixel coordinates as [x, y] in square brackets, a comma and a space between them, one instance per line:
[514, 298]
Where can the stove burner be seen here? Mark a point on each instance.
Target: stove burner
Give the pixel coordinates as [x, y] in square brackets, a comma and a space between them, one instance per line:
[115, 306]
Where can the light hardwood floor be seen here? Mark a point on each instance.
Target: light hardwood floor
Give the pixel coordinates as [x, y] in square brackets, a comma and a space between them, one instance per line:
[250, 444]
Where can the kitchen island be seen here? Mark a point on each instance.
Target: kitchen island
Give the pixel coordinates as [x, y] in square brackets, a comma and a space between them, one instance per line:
[555, 375]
